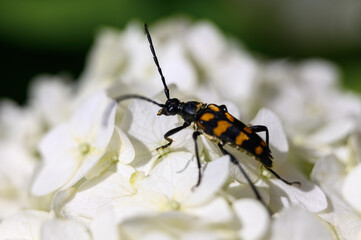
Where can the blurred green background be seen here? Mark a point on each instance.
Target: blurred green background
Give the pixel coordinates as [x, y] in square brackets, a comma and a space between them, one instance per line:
[53, 36]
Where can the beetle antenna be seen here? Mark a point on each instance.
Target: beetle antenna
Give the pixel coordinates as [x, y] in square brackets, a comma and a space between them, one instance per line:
[122, 98]
[166, 90]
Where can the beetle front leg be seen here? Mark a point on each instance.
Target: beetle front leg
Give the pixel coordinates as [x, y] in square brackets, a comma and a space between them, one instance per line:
[171, 132]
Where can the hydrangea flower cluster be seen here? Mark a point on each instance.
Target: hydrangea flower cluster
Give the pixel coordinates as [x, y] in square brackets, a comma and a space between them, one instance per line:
[67, 172]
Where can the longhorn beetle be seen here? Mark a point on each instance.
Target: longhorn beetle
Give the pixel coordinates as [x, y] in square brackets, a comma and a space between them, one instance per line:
[216, 124]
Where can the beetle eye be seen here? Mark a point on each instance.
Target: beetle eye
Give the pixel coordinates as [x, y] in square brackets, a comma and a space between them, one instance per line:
[172, 109]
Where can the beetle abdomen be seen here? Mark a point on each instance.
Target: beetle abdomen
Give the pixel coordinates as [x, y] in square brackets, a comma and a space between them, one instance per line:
[218, 123]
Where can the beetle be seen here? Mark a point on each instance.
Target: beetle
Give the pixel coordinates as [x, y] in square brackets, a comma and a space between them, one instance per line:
[216, 123]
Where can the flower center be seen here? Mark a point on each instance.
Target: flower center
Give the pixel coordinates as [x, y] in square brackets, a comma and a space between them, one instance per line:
[173, 204]
[84, 148]
[136, 178]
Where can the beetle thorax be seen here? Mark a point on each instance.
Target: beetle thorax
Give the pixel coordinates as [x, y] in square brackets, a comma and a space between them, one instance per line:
[191, 110]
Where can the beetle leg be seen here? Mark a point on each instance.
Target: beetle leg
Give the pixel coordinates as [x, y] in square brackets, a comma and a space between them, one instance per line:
[253, 187]
[261, 128]
[170, 133]
[283, 180]
[195, 136]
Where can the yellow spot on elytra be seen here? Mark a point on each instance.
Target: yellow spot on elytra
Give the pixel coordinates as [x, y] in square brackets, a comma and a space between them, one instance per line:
[207, 116]
[229, 117]
[213, 107]
[263, 143]
[247, 129]
[259, 150]
[240, 138]
[222, 126]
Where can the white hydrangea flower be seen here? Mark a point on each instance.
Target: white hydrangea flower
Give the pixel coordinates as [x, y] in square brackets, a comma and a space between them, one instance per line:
[254, 219]
[207, 55]
[23, 225]
[61, 229]
[277, 194]
[111, 182]
[351, 189]
[105, 226]
[167, 188]
[299, 224]
[146, 130]
[21, 128]
[283, 196]
[51, 97]
[72, 149]
[20, 125]
[49, 104]
[175, 225]
[330, 174]
[308, 96]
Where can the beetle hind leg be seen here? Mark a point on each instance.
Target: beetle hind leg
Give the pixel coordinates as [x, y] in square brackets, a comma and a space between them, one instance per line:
[283, 180]
[253, 187]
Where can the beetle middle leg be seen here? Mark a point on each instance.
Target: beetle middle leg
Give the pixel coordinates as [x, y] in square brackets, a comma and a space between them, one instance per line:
[195, 136]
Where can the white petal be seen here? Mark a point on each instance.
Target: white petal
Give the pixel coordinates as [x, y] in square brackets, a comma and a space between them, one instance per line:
[146, 131]
[325, 72]
[9, 207]
[212, 150]
[277, 138]
[51, 96]
[17, 165]
[64, 164]
[253, 217]
[61, 229]
[235, 75]
[239, 191]
[348, 224]
[250, 165]
[23, 225]
[351, 188]
[206, 54]
[176, 173]
[308, 194]
[95, 134]
[111, 155]
[178, 68]
[56, 141]
[332, 132]
[59, 163]
[298, 224]
[126, 153]
[329, 173]
[87, 119]
[96, 195]
[105, 226]
[214, 177]
[216, 211]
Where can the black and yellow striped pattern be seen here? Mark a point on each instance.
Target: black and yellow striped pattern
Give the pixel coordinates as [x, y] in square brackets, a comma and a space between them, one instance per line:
[218, 123]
